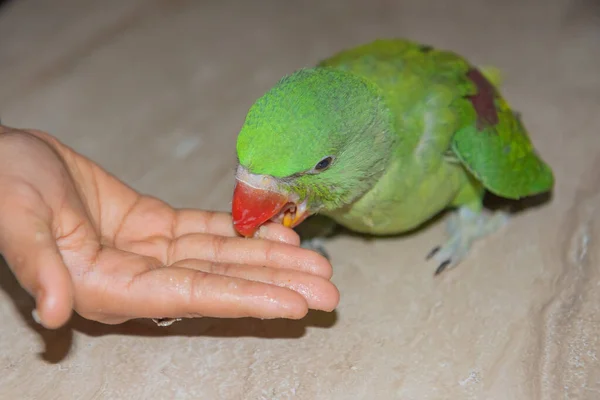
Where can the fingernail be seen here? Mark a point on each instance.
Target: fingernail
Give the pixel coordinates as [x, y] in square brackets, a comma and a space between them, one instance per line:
[36, 316]
[262, 232]
[39, 300]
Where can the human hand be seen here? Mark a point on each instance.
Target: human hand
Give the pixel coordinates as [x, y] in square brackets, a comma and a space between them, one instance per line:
[79, 239]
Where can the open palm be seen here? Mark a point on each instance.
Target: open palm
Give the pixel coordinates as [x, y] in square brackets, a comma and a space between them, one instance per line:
[78, 238]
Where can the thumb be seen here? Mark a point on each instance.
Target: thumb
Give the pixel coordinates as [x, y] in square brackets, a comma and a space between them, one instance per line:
[29, 248]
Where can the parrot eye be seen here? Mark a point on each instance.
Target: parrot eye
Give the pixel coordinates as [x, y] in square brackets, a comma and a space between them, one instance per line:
[324, 164]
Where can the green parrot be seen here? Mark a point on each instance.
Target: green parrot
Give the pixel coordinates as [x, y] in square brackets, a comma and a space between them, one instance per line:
[380, 138]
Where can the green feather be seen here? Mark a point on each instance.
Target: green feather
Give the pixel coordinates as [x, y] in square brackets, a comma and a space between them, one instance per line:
[409, 135]
[312, 114]
[500, 153]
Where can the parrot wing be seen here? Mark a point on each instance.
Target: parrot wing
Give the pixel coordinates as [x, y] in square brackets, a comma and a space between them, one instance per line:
[495, 147]
[474, 122]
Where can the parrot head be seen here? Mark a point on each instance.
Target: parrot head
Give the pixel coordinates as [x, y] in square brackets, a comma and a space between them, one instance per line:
[316, 141]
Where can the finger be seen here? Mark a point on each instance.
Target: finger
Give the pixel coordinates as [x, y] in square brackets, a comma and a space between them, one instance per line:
[278, 233]
[235, 250]
[31, 253]
[320, 293]
[182, 291]
[123, 285]
[218, 223]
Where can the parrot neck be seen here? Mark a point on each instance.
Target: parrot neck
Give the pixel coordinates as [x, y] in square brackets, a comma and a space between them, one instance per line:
[364, 159]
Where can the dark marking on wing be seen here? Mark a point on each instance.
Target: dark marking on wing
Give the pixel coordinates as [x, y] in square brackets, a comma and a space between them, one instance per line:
[483, 101]
[425, 48]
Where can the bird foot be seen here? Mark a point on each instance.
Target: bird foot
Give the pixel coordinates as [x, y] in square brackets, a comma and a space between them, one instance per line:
[315, 244]
[464, 227]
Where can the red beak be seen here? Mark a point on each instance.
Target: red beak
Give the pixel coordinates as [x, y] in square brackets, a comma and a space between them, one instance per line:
[253, 207]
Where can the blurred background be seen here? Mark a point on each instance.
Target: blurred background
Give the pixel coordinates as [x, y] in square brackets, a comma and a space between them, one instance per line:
[155, 91]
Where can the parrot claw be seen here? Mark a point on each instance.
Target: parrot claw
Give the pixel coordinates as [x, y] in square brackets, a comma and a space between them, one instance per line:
[315, 244]
[443, 264]
[442, 267]
[464, 227]
[433, 252]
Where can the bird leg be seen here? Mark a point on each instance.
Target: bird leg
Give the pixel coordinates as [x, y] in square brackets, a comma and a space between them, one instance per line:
[314, 233]
[315, 244]
[464, 227]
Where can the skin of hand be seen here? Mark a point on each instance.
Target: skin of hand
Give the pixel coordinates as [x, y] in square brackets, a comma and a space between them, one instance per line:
[77, 238]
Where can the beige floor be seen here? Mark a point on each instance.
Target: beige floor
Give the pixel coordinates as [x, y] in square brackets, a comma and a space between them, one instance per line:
[156, 90]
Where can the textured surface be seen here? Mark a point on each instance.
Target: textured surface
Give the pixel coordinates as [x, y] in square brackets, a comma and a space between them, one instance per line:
[155, 92]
